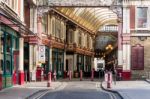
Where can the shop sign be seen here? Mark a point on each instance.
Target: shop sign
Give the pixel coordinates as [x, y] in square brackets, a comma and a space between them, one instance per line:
[42, 54]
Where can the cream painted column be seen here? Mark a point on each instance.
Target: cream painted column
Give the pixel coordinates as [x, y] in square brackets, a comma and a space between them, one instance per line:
[64, 60]
[32, 61]
[35, 20]
[22, 10]
[126, 57]
[31, 57]
[82, 40]
[120, 56]
[126, 44]
[64, 32]
[36, 56]
[39, 28]
[21, 59]
[84, 62]
[75, 61]
[126, 40]
[21, 54]
[76, 36]
[92, 62]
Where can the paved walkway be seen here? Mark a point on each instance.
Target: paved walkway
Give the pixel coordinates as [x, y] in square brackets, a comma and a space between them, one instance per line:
[23, 91]
[131, 89]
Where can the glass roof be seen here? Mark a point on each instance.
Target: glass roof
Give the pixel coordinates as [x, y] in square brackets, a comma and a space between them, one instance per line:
[90, 18]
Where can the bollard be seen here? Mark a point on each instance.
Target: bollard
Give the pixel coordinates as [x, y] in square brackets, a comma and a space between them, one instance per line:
[120, 76]
[49, 79]
[26, 75]
[42, 74]
[92, 75]
[54, 75]
[108, 81]
[80, 75]
[70, 75]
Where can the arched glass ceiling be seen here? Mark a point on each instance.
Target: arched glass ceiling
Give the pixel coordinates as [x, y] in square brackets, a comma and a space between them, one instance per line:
[91, 18]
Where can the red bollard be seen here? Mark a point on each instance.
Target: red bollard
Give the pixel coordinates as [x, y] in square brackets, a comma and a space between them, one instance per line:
[70, 75]
[80, 75]
[109, 80]
[92, 75]
[49, 79]
[54, 75]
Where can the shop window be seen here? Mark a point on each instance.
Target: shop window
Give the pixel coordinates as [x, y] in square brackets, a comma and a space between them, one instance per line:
[8, 67]
[142, 17]
[8, 42]
[137, 57]
[1, 65]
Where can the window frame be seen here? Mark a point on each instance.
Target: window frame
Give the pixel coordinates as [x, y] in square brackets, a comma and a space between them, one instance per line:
[136, 18]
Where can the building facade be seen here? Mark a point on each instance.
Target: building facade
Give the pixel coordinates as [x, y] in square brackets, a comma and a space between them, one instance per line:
[11, 42]
[135, 40]
[33, 44]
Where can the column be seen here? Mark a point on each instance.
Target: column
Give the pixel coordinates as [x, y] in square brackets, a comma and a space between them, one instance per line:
[21, 10]
[31, 55]
[92, 63]
[126, 44]
[39, 28]
[120, 45]
[84, 63]
[32, 61]
[21, 58]
[76, 36]
[74, 61]
[64, 60]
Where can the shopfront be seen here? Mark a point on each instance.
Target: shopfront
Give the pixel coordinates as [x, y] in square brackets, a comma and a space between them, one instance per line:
[46, 65]
[87, 64]
[9, 58]
[80, 62]
[58, 62]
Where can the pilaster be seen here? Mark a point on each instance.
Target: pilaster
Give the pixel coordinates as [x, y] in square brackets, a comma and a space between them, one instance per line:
[21, 58]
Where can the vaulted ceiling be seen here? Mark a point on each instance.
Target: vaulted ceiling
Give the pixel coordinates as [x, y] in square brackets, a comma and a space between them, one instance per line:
[91, 18]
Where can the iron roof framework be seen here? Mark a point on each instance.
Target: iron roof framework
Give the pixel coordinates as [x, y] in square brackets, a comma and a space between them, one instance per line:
[91, 14]
[91, 18]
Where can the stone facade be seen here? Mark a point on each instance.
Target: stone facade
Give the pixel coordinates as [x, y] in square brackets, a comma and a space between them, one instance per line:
[146, 44]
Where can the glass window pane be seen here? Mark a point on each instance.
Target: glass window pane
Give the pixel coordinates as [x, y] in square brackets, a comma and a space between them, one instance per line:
[142, 17]
[8, 64]
[8, 42]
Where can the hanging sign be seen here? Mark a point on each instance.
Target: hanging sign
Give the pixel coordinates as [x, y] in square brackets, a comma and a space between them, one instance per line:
[42, 54]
